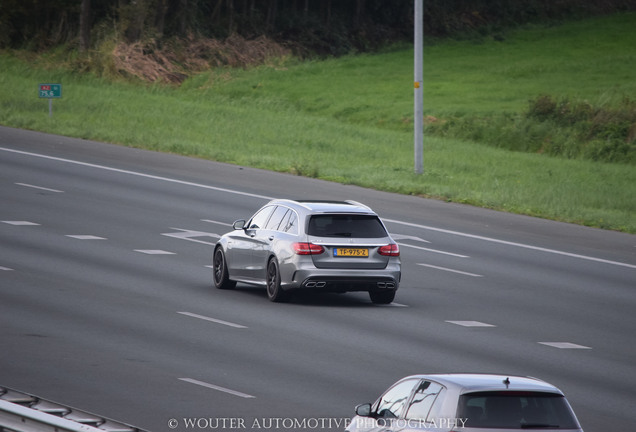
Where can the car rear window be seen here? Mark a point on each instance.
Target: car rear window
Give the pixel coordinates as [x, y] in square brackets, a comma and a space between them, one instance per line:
[346, 225]
[516, 410]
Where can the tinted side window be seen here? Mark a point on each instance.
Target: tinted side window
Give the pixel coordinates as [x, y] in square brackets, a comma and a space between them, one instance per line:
[423, 400]
[289, 223]
[260, 219]
[344, 225]
[277, 217]
[391, 404]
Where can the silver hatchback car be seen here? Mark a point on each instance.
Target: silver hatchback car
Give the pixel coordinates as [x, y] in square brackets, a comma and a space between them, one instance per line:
[467, 403]
[336, 246]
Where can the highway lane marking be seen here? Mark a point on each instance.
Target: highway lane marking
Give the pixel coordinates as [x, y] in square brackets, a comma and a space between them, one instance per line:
[219, 388]
[5, 269]
[85, 237]
[471, 324]
[450, 270]
[218, 321]
[509, 243]
[564, 345]
[191, 235]
[134, 173]
[216, 222]
[236, 192]
[154, 252]
[39, 187]
[21, 223]
[407, 237]
[434, 250]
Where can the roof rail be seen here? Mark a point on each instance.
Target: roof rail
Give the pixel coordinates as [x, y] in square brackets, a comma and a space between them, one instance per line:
[352, 202]
[23, 412]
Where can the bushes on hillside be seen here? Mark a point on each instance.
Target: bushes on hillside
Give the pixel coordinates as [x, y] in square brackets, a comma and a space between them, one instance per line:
[556, 127]
[597, 133]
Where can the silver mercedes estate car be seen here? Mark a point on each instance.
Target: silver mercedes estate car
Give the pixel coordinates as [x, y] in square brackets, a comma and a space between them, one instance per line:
[337, 246]
[467, 403]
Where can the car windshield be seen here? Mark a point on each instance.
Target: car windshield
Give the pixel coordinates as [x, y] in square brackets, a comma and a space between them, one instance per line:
[346, 225]
[516, 410]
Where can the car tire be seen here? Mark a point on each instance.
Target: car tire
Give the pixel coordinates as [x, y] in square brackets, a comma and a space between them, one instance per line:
[382, 297]
[221, 276]
[275, 292]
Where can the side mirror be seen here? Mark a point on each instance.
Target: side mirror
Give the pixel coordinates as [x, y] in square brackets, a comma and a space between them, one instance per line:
[364, 410]
[239, 224]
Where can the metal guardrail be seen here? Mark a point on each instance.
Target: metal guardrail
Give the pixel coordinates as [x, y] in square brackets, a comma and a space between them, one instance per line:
[23, 412]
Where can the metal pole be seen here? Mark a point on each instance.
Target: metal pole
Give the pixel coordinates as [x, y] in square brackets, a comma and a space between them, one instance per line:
[418, 118]
[50, 107]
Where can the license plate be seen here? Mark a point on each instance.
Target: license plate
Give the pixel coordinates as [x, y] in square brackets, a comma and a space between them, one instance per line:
[351, 252]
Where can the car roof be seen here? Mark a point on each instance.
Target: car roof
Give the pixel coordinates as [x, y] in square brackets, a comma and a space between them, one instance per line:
[468, 383]
[326, 206]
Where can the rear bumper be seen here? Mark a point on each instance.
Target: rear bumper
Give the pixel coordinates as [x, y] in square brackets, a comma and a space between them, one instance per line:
[340, 281]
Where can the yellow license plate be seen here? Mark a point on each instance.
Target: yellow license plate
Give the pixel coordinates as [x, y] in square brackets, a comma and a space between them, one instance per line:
[351, 252]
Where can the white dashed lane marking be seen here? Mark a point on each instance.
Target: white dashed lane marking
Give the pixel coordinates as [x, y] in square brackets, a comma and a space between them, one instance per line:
[471, 324]
[218, 388]
[154, 252]
[21, 223]
[85, 237]
[564, 345]
[218, 321]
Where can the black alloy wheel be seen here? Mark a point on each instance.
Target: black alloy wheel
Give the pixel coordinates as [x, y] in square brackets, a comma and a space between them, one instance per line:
[221, 277]
[274, 291]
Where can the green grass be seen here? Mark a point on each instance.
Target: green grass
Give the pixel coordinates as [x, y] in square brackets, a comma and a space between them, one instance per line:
[350, 120]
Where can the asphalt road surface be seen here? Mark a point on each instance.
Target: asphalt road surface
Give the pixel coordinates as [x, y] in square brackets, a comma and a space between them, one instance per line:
[107, 302]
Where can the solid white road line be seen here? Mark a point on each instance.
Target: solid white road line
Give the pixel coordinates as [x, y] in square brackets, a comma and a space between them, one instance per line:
[504, 242]
[450, 270]
[39, 187]
[134, 173]
[219, 388]
[218, 321]
[424, 227]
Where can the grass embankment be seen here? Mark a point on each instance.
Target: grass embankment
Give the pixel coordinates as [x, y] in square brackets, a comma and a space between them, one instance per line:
[350, 119]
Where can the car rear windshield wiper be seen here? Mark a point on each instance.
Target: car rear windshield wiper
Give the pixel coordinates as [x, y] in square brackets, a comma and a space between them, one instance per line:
[538, 426]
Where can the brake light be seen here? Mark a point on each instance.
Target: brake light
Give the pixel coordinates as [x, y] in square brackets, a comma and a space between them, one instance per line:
[307, 249]
[390, 250]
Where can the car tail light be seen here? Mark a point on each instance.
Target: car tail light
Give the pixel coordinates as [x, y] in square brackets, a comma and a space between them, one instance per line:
[389, 250]
[308, 249]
